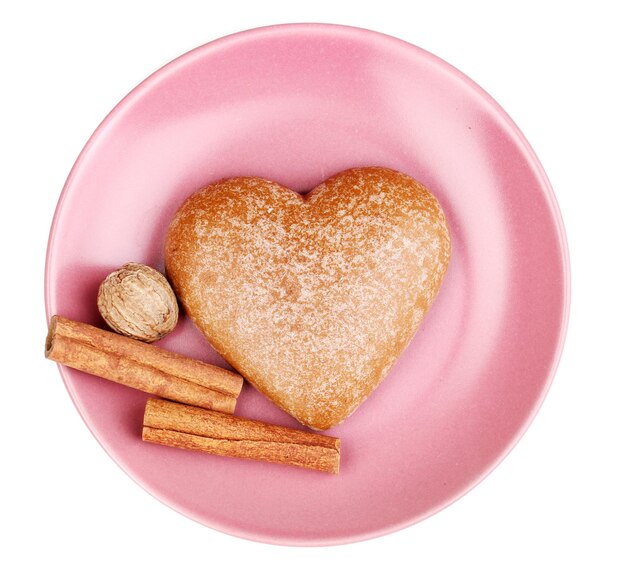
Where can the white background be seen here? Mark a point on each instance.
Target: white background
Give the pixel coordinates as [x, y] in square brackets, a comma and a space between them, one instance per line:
[557, 68]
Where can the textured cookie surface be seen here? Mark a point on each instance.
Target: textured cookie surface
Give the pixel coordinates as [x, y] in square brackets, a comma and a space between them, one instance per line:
[311, 298]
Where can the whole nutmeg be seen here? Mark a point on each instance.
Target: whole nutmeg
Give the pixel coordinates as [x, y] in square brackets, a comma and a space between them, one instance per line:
[137, 301]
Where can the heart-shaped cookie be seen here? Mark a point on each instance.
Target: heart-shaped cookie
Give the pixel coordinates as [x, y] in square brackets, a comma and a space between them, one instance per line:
[313, 298]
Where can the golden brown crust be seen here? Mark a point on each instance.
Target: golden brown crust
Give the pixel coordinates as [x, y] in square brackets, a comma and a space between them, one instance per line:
[311, 299]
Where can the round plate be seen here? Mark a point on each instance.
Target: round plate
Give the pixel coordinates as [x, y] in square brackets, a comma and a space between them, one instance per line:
[296, 104]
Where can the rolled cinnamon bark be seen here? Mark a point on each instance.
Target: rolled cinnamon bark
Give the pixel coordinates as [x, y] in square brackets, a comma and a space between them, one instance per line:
[141, 365]
[188, 427]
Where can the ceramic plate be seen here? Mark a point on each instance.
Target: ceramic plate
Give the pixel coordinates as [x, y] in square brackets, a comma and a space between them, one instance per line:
[296, 104]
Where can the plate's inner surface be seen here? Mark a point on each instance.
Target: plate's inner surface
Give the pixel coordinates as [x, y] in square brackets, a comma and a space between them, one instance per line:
[296, 104]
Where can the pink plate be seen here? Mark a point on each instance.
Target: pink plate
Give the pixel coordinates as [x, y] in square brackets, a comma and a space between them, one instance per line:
[296, 104]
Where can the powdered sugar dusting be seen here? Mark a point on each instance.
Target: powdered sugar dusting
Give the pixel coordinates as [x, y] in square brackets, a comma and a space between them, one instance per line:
[311, 299]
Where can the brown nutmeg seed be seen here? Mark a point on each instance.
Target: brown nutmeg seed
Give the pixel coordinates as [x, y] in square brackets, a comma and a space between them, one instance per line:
[137, 301]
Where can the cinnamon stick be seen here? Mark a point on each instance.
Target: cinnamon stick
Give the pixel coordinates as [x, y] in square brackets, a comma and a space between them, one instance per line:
[141, 365]
[188, 427]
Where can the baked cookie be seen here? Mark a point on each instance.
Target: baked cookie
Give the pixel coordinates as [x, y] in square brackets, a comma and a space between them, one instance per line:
[311, 298]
